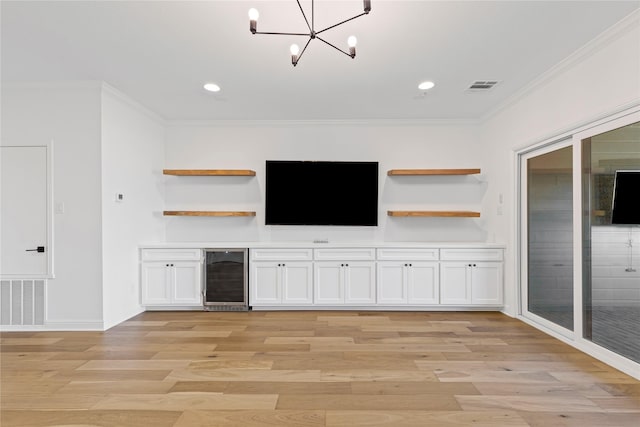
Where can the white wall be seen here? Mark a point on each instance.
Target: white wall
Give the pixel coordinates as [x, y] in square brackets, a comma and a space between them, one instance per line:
[600, 79]
[247, 146]
[615, 265]
[132, 161]
[68, 114]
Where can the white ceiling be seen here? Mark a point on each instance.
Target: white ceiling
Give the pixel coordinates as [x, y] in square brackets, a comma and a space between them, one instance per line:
[160, 53]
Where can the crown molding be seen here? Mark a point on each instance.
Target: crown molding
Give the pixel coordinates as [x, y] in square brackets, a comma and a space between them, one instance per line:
[62, 84]
[124, 98]
[610, 35]
[342, 122]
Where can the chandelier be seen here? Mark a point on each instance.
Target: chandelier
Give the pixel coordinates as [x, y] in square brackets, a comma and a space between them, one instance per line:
[296, 54]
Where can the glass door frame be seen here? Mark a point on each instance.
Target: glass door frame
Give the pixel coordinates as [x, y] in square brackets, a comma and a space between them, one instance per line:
[523, 222]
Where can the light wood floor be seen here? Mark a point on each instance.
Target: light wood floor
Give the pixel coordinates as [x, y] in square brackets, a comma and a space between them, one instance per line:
[310, 368]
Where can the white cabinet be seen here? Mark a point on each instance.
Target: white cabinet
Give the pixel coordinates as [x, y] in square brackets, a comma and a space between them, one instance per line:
[347, 282]
[344, 276]
[278, 277]
[414, 282]
[408, 276]
[477, 281]
[171, 277]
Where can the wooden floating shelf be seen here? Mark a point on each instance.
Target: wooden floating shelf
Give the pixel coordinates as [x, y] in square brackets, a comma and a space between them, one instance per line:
[415, 172]
[209, 172]
[449, 214]
[208, 213]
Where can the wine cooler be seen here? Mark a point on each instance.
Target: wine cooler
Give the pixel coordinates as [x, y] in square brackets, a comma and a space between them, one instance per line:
[226, 280]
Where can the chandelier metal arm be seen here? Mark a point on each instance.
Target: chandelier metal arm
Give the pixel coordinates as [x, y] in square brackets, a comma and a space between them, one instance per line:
[305, 16]
[282, 34]
[335, 47]
[340, 23]
[303, 49]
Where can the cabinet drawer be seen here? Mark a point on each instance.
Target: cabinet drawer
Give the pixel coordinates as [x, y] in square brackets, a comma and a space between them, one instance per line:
[284, 254]
[346, 254]
[171, 254]
[471, 254]
[401, 254]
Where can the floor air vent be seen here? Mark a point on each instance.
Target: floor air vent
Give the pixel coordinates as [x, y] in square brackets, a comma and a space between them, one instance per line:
[22, 302]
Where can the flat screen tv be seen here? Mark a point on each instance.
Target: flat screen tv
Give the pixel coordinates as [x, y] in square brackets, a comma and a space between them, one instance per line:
[321, 193]
[626, 195]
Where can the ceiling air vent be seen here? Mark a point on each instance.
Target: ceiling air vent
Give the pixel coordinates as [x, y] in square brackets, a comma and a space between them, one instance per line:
[482, 85]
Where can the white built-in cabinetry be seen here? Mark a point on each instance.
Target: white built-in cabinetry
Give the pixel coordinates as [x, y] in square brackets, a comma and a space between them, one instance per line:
[344, 276]
[281, 277]
[408, 276]
[171, 277]
[471, 276]
[383, 277]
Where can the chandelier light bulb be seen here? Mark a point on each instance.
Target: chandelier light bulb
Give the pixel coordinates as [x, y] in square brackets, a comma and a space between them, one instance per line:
[295, 49]
[253, 20]
[352, 41]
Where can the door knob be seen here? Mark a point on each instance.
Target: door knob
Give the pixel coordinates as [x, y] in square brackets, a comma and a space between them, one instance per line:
[39, 249]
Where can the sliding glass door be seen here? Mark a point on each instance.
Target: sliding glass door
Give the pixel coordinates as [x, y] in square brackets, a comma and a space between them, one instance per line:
[611, 279]
[547, 182]
[579, 259]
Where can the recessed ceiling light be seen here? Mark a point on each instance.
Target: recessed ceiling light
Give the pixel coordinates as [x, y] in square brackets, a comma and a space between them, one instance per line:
[426, 85]
[212, 87]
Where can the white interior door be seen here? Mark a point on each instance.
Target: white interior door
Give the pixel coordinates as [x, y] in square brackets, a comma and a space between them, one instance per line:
[24, 212]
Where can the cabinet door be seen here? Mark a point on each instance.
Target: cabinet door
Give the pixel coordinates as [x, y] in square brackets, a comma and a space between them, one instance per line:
[486, 283]
[455, 283]
[392, 282]
[186, 283]
[423, 283]
[156, 283]
[264, 283]
[297, 283]
[328, 283]
[359, 283]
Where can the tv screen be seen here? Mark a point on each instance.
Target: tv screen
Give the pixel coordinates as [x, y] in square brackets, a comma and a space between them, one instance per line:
[626, 195]
[321, 193]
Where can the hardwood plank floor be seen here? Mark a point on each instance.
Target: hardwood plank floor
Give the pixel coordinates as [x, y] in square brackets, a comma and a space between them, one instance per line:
[309, 368]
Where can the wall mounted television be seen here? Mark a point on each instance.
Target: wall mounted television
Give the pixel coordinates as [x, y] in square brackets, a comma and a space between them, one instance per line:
[341, 193]
[626, 195]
